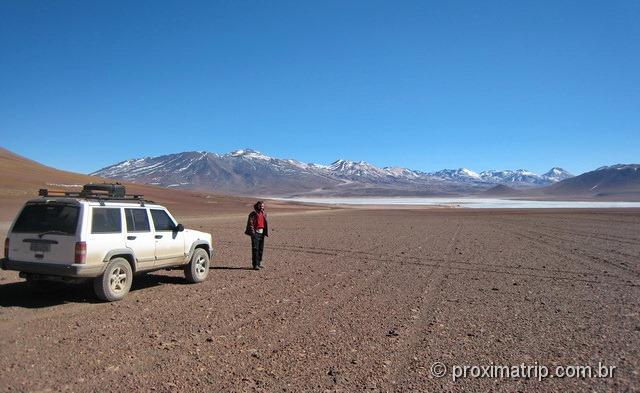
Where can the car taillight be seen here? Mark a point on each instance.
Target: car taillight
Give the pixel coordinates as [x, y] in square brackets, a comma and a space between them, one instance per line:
[6, 248]
[81, 252]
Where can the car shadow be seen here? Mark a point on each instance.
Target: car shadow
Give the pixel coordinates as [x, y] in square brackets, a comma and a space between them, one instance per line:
[49, 294]
[148, 280]
[26, 295]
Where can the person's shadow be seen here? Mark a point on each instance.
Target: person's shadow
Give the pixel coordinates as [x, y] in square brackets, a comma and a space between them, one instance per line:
[231, 267]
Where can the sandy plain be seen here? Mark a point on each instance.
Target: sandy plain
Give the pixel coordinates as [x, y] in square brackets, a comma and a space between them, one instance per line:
[350, 300]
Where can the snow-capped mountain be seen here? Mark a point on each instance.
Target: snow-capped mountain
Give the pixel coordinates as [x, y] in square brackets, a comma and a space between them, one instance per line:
[462, 174]
[363, 170]
[515, 178]
[556, 174]
[250, 172]
[360, 169]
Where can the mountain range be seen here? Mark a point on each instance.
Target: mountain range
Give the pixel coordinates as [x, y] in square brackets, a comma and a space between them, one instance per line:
[21, 178]
[249, 172]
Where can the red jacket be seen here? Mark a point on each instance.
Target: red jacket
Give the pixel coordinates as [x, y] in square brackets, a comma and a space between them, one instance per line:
[252, 221]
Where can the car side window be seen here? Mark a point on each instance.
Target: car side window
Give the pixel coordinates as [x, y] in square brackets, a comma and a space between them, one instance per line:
[106, 220]
[137, 220]
[162, 221]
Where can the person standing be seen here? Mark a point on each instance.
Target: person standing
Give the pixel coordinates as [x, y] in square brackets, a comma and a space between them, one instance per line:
[258, 229]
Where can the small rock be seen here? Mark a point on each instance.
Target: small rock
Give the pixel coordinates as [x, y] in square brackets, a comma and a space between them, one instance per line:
[392, 333]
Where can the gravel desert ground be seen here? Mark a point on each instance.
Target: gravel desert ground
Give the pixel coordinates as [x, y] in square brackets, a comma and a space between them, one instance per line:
[350, 300]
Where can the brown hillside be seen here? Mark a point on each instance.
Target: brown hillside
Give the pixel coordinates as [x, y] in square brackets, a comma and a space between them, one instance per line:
[21, 178]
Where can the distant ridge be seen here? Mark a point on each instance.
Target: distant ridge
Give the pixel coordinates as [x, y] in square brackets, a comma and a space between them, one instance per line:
[501, 191]
[621, 181]
[249, 172]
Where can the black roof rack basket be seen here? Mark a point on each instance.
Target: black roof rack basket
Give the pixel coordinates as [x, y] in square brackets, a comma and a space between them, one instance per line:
[98, 191]
[113, 190]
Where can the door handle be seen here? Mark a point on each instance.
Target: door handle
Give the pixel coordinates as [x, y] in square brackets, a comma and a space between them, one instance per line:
[131, 237]
[158, 236]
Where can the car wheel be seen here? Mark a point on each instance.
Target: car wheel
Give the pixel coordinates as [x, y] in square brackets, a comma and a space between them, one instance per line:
[115, 282]
[198, 268]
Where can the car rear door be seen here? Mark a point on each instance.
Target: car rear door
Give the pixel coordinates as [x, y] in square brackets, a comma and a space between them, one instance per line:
[45, 232]
[169, 242]
[140, 238]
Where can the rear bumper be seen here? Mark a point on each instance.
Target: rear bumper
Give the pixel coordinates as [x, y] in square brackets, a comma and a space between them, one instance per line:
[53, 269]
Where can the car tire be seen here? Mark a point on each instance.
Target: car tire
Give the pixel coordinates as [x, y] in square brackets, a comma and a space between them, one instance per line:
[115, 282]
[198, 267]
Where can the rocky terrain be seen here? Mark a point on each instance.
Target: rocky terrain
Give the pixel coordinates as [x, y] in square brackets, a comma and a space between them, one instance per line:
[350, 300]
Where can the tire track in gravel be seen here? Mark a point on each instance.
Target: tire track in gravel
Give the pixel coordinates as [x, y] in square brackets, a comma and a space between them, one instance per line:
[550, 243]
[317, 291]
[398, 373]
[561, 252]
[557, 235]
[313, 286]
[317, 250]
[389, 258]
[223, 328]
[484, 267]
[349, 300]
[479, 267]
[351, 305]
[589, 233]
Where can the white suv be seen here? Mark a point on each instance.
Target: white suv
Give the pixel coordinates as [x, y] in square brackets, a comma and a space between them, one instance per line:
[101, 234]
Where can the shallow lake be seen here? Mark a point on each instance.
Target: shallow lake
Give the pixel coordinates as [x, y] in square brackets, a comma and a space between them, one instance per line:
[474, 203]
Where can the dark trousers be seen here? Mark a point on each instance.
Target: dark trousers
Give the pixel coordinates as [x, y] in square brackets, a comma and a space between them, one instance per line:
[257, 245]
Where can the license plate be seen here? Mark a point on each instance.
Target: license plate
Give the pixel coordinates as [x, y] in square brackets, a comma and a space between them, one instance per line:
[40, 247]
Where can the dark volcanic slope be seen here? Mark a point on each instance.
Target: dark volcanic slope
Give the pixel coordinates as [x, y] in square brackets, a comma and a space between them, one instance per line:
[351, 300]
[501, 191]
[617, 180]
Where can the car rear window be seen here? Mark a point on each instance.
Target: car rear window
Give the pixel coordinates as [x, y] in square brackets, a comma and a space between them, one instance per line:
[106, 220]
[162, 221]
[137, 220]
[48, 217]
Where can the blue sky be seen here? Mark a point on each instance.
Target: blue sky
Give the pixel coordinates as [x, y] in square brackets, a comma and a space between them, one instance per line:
[425, 85]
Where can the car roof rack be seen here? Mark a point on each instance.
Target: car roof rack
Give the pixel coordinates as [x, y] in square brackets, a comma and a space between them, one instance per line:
[100, 192]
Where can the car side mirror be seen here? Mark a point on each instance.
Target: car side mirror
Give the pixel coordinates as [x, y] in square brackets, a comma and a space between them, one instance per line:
[179, 228]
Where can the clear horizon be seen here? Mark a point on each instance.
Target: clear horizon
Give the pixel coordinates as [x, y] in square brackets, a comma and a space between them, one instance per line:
[426, 86]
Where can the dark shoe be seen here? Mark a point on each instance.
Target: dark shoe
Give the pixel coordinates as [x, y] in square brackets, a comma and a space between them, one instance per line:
[260, 267]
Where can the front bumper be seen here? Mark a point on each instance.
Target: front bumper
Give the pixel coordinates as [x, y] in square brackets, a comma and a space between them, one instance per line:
[53, 269]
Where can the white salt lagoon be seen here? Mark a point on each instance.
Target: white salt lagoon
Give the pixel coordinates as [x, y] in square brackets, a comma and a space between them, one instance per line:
[473, 203]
